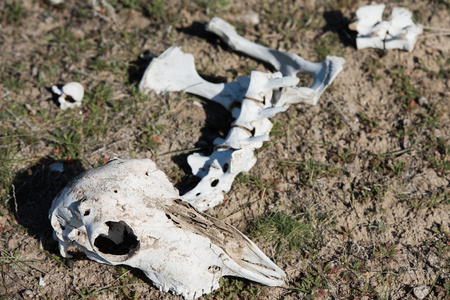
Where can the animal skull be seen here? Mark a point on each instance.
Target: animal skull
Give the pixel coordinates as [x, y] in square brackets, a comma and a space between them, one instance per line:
[70, 95]
[127, 212]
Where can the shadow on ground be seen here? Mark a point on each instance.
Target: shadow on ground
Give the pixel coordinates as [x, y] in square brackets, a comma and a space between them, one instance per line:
[217, 124]
[336, 22]
[34, 190]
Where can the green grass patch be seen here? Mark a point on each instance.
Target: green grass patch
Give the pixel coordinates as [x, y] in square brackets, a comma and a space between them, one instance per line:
[7, 153]
[329, 44]
[12, 12]
[286, 233]
[231, 287]
[406, 92]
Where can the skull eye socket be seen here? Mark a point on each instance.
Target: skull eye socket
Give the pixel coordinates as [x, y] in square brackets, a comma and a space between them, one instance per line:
[120, 240]
[70, 99]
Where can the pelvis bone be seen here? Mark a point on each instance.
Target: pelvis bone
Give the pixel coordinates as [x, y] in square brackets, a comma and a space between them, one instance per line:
[174, 71]
[289, 64]
[127, 212]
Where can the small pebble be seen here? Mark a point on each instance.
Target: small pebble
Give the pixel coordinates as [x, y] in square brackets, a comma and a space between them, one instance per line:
[423, 101]
[421, 291]
[433, 260]
[57, 167]
[252, 18]
[41, 281]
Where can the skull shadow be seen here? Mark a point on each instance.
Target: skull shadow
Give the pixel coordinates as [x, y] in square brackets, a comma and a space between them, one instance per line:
[33, 192]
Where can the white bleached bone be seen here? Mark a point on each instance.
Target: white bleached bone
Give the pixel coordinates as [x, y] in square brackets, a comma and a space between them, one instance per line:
[371, 30]
[287, 63]
[402, 32]
[70, 95]
[174, 71]
[128, 213]
[399, 32]
[235, 154]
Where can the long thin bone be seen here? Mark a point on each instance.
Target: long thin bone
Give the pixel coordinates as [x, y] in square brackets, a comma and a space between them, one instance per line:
[287, 63]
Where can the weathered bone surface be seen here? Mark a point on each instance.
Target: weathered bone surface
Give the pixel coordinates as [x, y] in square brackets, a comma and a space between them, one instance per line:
[70, 95]
[174, 71]
[235, 154]
[287, 63]
[127, 212]
[399, 32]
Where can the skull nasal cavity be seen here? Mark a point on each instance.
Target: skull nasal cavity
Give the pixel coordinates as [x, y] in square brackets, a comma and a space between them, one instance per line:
[120, 239]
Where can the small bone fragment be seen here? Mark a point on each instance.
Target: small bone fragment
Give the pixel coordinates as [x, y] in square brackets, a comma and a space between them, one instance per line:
[57, 167]
[368, 16]
[371, 30]
[402, 32]
[421, 291]
[399, 32]
[70, 95]
[127, 212]
[235, 154]
[287, 63]
[252, 18]
[174, 71]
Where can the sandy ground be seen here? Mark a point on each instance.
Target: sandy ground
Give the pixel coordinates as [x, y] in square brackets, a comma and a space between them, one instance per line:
[382, 221]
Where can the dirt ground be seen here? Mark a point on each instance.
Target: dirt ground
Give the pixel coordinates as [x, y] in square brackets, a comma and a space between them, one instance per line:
[367, 168]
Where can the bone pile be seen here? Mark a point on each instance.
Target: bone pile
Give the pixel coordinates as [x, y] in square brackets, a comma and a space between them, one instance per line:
[399, 32]
[127, 212]
[258, 98]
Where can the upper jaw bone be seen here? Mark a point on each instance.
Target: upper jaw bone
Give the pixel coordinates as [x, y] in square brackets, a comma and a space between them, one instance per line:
[287, 63]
